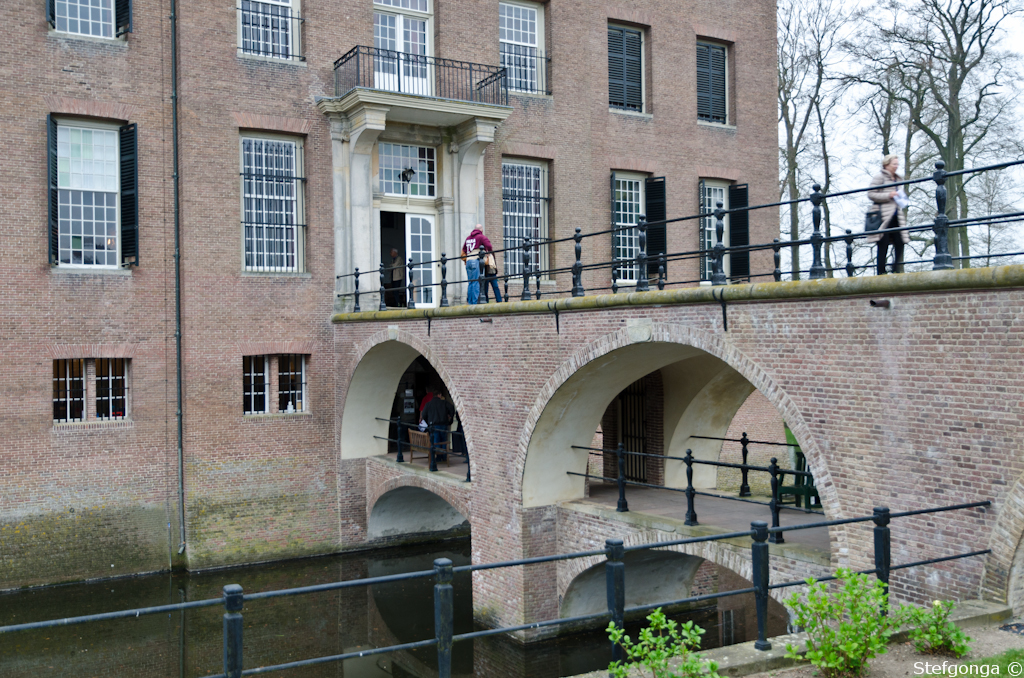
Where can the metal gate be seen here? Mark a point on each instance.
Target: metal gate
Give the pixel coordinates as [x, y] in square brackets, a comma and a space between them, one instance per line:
[633, 429]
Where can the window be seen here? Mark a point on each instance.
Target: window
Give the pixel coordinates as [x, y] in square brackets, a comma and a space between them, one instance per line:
[270, 29]
[524, 211]
[254, 384]
[401, 34]
[625, 69]
[111, 388]
[628, 197]
[396, 159]
[93, 206]
[272, 204]
[68, 390]
[94, 18]
[521, 31]
[711, 79]
[291, 383]
[711, 193]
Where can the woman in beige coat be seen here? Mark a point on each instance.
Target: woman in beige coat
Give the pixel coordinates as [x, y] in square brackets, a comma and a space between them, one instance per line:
[884, 201]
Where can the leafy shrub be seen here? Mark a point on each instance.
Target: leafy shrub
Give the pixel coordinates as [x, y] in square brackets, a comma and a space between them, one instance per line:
[659, 642]
[933, 633]
[844, 629]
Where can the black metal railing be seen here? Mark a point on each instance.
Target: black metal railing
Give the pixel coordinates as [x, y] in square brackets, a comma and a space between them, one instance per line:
[437, 447]
[529, 250]
[527, 69]
[270, 30]
[394, 71]
[234, 598]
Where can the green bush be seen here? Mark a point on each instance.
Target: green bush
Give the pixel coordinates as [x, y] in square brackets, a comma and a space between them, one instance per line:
[844, 629]
[933, 633]
[659, 642]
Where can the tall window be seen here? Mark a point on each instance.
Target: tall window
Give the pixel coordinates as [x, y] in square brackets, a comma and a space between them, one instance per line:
[628, 200]
[86, 17]
[269, 28]
[401, 33]
[111, 388]
[291, 385]
[271, 204]
[87, 191]
[524, 210]
[625, 69]
[520, 31]
[417, 164]
[711, 193]
[254, 384]
[711, 83]
[68, 390]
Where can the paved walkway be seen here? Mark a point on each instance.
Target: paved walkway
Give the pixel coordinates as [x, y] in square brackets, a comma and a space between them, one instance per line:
[730, 515]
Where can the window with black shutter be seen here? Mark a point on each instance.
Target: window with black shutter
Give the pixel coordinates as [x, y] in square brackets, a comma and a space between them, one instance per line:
[129, 195]
[739, 233]
[123, 16]
[711, 85]
[657, 235]
[625, 68]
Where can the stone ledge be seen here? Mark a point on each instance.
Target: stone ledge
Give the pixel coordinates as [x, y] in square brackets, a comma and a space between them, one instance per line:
[408, 468]
[998, 277]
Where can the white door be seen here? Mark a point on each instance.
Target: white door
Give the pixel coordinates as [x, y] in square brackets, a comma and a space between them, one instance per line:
[419, 243]
[400, 63]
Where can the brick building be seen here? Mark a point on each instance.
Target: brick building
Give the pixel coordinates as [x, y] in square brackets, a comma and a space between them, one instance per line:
[310, 139]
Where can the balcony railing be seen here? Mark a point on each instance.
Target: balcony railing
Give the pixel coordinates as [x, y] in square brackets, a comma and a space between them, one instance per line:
[394, 71]
[527, 69]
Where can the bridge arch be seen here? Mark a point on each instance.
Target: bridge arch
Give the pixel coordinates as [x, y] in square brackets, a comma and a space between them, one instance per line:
[568, 408]
[1004, 567]
[380, 362]
[415, 507]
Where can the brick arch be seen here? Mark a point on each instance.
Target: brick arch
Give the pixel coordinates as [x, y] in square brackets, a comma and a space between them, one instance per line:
[421, 347]
[1004, 567]
[459, 499]
[716, 345]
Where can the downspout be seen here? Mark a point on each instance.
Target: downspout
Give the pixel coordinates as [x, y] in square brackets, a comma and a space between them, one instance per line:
[177, 274]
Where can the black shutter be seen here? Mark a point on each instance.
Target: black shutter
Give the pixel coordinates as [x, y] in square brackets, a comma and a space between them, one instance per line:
[703, 83]
[711, 83]
[51, 13]
[123, 16]
[717, 55]
[739, 232]
[657, 235]
[616, 67]
[52, 199]
[129, 195]
[634, 79]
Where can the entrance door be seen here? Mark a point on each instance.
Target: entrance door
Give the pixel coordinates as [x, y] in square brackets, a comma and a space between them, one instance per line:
[633, 429]
[419, 244]
[400, 63]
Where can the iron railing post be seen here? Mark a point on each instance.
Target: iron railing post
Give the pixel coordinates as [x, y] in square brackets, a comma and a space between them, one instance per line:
[615, 278]
[525, 296]
[383, 305]
[661, 272]
[615, 581]
[641, 255]
[817, 268]
[850, 269]
[410, 302]
[506, 284]
[773, 468]
[943, 260]
[444, 616]
[577, 267]
[777, 255]
[883, 551]
[233, 600]
[744, 485]
[400, 459]
[432, 432]
[444, 280]
[718, 274]
[537, 272]
[620, 455]
[691, 514]
[468, 477]
[355, 307]
[759, 561]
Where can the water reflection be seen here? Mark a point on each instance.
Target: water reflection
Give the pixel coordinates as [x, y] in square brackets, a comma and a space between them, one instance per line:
[188, 644]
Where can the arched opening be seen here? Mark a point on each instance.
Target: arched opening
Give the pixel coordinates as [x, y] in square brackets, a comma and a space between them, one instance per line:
[1016, 593]
[415, 514]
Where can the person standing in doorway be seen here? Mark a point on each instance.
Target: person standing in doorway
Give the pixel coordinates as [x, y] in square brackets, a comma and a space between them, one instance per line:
[395, 278]
[892, 216]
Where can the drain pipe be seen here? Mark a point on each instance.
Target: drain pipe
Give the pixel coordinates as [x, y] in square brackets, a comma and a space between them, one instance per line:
[177, 274]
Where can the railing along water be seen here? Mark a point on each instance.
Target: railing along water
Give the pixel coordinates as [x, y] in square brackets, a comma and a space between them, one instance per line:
[234, 598]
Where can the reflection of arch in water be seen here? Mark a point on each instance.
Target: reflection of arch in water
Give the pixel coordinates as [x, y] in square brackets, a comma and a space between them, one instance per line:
[414, 512]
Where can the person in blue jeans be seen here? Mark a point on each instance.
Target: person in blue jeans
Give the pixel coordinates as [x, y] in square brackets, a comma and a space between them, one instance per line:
[473, 275]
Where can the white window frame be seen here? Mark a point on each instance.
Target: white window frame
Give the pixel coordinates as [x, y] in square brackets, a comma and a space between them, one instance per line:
[539, 83]
[59, 4]
[299, 214]
[71, 125]
[248, 396]
[63, 376]
[707, 233]
[111, 381]
[402, 13]
[513, 261]
[628, 275]
[302, 401]
[294, 29]
[384, 184]
[728, 103]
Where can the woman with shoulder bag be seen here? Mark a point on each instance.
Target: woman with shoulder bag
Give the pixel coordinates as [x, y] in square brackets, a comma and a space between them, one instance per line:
[490, 275]
[885, 214]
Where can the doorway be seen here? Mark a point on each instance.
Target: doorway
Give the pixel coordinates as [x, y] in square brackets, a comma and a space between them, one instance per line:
[412, 236]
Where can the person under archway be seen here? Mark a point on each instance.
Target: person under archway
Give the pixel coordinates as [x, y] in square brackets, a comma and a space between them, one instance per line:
[439, 414]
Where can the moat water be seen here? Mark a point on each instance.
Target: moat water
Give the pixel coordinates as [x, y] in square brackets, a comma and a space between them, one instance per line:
[188, 644]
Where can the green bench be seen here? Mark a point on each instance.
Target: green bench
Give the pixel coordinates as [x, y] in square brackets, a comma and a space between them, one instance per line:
[802, 490]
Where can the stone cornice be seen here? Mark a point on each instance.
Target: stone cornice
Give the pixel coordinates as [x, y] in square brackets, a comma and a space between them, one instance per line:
[360, 96]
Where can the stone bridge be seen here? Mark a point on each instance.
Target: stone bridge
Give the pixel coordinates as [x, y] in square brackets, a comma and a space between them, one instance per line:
[919, 403]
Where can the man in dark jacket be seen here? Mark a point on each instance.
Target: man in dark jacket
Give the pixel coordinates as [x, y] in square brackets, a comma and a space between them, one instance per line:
[439, 414]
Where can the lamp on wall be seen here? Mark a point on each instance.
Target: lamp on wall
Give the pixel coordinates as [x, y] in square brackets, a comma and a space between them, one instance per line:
[407, 174]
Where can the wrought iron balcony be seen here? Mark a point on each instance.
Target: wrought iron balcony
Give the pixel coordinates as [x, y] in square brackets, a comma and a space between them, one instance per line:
[393, 71]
